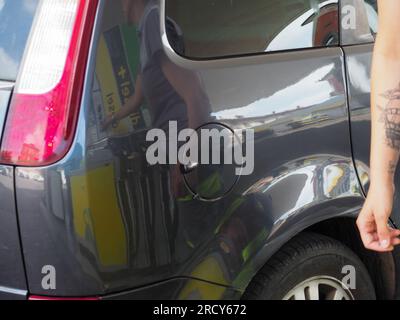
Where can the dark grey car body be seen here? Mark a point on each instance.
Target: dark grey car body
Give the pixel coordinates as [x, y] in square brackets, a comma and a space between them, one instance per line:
[311, 171]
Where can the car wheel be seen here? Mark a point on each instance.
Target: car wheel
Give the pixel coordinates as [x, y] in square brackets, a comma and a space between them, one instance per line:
[312, 267]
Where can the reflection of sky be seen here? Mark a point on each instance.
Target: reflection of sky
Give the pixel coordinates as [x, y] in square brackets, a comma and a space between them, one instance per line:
[297, 35]
[372, 17]
[294, 35]
[359, 75]
[15, 22]
[308, 91]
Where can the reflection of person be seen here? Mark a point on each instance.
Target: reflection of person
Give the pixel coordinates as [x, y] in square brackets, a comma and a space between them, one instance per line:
[385, 146]
[172, 93]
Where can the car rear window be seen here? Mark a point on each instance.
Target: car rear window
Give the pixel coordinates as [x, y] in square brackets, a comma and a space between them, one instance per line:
[220, 28]
[16, 18]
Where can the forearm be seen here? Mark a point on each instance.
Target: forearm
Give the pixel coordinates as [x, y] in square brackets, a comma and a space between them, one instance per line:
[133, 103]
[385, 113]
[385, 145]
[188, 86]
[131, 106]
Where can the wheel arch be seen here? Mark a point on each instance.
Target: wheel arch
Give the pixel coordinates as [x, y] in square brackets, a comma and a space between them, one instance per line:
[382, 268]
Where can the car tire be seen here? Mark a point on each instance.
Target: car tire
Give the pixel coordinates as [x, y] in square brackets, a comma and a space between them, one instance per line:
[312, 267]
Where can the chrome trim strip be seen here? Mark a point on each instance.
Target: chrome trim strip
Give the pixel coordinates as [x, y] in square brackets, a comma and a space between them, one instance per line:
[6, 85]
[13, 291]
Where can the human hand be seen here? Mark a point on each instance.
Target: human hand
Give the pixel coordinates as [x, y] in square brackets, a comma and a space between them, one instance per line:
[373, 220]
[109, 120]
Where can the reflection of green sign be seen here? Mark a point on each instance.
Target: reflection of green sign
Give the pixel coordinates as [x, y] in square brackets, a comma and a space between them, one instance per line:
[131, 47]
[116, 70]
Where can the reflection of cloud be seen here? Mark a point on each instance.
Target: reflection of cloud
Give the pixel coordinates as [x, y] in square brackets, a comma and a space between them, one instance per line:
[309, 91]
[298, 34]
[359, 76]
[295, 35]
[29, 5]
[9, 67]
[2, 3]
[38, 132]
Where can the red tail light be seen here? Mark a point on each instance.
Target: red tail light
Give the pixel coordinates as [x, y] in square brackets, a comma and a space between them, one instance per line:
[44, 108]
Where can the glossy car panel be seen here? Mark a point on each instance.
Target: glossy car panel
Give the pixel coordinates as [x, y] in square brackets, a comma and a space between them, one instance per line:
[110, 222]
[179, 289]
[358, 61]
[12, 275]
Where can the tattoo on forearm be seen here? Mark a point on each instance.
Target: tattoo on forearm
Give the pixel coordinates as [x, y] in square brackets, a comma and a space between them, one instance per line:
[390, 117]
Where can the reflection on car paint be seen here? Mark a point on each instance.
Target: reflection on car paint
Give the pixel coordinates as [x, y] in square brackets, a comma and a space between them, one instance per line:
[119, 223]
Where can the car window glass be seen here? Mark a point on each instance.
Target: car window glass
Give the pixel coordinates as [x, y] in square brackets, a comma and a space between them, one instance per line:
[218, 28]
[16, 18]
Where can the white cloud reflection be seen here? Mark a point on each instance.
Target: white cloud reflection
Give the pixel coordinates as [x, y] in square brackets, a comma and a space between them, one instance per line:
[29, 5]
[9, 67]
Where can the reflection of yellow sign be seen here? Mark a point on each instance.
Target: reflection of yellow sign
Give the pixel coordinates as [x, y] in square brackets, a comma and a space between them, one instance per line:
[97, 217]
[194, 289]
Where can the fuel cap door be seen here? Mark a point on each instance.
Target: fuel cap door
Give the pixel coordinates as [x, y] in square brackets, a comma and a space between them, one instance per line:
[217, 169]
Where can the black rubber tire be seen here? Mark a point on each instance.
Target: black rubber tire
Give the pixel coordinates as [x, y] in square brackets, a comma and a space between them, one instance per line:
[306, 256]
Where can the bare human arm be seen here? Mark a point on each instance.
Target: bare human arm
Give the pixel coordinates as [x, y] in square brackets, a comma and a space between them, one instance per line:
[188, 86]
[385, 136]
[186, 83]
[131, 105]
